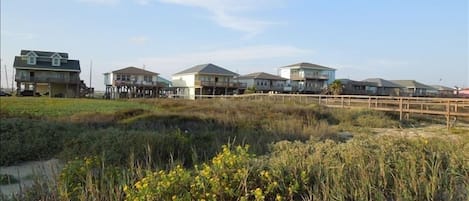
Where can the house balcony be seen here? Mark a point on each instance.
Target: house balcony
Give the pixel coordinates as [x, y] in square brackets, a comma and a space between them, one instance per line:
[220, 84]
[136, 83]
[298, 76]
[71, 80]
[269, 88]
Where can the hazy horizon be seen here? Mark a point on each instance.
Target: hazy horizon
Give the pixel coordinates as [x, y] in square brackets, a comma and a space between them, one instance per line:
[423, 40]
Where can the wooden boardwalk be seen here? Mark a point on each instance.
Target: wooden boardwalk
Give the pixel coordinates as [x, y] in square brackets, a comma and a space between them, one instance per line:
[448, 107]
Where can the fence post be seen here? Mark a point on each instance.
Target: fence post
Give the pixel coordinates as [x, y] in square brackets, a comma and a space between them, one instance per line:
[421, 108]
[448, 111]
[456, 106]
[369, 102]
[407, 108]
[400, 109]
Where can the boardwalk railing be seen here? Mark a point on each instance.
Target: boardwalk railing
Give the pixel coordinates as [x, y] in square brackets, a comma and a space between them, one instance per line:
[448, 107]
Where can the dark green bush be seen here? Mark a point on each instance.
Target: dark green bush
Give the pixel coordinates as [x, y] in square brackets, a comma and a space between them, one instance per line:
[29, 139]
[7, 179]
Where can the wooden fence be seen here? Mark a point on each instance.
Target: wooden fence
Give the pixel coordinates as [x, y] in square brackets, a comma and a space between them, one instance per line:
[447, 107]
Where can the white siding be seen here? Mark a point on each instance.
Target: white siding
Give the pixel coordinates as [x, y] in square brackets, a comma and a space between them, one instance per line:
[285, 73]
[107, 78]
[331, 75]
[249, 82]
[186, 82]
[183, 80]
[139, 78]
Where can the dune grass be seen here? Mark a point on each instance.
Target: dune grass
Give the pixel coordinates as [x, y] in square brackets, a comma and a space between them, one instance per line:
[157, 149]
[43, 107]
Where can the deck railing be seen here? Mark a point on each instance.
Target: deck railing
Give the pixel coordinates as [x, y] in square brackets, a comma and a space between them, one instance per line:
[220, 84]
[298, 76]
[65, 80]
[405, 106]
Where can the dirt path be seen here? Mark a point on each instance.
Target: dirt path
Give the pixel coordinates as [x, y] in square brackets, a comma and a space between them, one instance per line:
[432, 130]
[26, 172]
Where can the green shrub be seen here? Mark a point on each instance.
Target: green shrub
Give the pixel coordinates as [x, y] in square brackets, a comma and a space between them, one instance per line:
[373, 168]
[228, 176]
[29, 139]
[7, 179]
[91, 179]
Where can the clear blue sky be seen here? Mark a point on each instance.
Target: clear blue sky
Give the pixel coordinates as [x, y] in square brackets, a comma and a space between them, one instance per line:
[425, 40]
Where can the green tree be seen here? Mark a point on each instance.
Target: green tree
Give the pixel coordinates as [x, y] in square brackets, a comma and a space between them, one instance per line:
[336, 87]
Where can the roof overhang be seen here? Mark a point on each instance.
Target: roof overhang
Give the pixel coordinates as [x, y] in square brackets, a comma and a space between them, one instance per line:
[308, 67]
[198, 73]
[46, 69]
[56, 55]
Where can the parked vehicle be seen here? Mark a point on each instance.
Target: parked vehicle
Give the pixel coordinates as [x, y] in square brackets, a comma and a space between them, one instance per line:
[2, 93]
[29, 93]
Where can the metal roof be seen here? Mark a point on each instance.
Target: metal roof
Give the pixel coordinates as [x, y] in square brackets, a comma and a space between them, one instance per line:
[360, 83]
[44, 53]
[207, 69]
[411, 84]
[308, 65]
[383, 83]
[71, 65]
[261, 75]
[134, 71]
[442, 88]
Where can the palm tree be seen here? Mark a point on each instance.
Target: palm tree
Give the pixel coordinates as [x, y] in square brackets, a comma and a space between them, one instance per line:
[336, 87]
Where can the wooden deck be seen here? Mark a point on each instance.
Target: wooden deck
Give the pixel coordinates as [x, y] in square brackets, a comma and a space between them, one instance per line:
[447, 107]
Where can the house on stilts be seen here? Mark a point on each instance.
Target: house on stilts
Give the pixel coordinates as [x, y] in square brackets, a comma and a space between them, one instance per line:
[132, 82]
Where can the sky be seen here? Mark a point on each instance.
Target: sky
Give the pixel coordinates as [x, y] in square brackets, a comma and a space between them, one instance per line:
[423, 40]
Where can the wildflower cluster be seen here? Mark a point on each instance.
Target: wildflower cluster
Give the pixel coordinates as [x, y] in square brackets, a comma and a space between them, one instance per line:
[229, 175]
[85, 179]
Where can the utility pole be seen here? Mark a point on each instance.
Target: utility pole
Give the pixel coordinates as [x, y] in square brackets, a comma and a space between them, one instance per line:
[6, 75]
[12, 79]
[91, 75]
[1, 74]
[91, 69]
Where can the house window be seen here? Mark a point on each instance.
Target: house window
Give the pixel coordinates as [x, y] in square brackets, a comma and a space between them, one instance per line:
[31, 60]
[118, 77]
[147, 78]
[60, 76]
[55, 61]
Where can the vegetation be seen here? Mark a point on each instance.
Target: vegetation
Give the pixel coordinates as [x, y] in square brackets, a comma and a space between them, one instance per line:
[336, 87]
[153, 149]
[7, 179]
[34, 107]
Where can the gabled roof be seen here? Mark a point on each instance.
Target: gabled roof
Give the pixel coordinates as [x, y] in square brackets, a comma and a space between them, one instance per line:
[261, 75]
[207, 69]
[442, 88]
[71, 65]
[308, 65]
[411, 84]
[134, 71]
[383, 83]
[165, 81]
[44, 53]
[360, 83]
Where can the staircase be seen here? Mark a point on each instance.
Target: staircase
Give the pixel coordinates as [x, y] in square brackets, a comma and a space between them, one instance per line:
[85, 91]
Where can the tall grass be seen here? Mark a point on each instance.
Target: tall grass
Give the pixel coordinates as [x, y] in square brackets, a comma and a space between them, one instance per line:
[369, 168]
[124, 144]
[36, 107]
